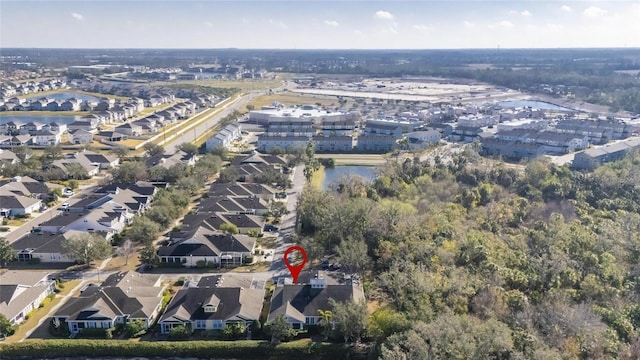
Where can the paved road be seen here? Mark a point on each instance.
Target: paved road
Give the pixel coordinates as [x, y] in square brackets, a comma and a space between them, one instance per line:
[189, 135]
[287, 226]
[47, 214]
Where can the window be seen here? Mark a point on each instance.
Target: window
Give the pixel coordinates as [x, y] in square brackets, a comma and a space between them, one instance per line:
[217, 324]
[201, 324]
[310, 320]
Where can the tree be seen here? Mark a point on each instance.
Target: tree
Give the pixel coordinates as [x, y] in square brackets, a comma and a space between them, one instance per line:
[120, 151]
[280, 330]
[251, 107]
[278, 209]
[189, 148]
[153, 149]
[134, 328]
[220, 151]
[23, 153]
[52, 152]
[350, 319]
[76, 171]
[6, 327]
[227, 175]
[326, 324]
[143, 230]
[353, 255]
[126, 250]
[149, 255]
[130, 172]
[228, 228]
[7, 253]
[86, 247]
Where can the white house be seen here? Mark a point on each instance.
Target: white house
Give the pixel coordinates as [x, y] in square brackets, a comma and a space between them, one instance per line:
[22, 292]
[46, 137]
[80, 136]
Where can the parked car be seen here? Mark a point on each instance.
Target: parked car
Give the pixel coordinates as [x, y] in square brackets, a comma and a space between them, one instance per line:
[64, 205]
[67, 192]
[270, 228]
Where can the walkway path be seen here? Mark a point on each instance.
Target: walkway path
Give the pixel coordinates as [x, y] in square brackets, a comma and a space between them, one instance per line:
[64, 300]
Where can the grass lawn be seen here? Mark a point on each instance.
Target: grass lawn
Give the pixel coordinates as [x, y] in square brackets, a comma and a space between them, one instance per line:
[318, 178]
[243, 85]
[131, 142]
[117, 263]
[294, 99]
[39, 314]
[267, 242]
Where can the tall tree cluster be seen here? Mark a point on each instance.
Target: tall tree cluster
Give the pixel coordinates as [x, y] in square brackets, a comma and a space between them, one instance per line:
[481, 260]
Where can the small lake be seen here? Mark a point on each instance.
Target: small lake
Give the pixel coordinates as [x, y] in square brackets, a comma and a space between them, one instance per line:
[64, 96]
[333, 175]
[23, 119]
[533, 104]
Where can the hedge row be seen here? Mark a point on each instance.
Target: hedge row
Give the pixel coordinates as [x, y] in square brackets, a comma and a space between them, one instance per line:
[241, 349]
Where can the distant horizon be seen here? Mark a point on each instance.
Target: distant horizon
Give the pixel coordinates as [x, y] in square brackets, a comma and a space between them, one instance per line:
[327, 49]
[314, 24]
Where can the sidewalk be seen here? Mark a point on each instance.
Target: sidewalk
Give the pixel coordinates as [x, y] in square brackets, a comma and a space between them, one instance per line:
[53, 310]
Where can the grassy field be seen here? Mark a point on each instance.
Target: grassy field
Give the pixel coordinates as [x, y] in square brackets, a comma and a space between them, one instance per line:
[21, 333]
[356, 159]
[243, 85]
[318, 178]
[294, 99]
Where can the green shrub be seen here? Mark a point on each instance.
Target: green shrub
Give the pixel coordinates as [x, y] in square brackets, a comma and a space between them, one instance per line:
[181, 332]
[247, 260]
[135, 328]
[239, 349]
[4, 228]
[34, 261]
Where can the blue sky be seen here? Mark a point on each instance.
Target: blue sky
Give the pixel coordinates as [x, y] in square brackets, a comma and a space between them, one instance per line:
[302, 24]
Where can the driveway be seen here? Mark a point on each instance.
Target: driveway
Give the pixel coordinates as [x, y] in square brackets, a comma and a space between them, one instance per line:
[49, 213]
[288, 223]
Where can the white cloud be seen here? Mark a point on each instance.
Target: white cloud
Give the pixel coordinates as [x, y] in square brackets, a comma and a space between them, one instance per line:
[554, 27]
[244, 20]
[523, 13]
[77, 16]
[422, 28]
[566, 8]
[594, 11]
[278, 23]
[504, 24]
[332, 23]
[208, 24]
[357, 32]
[468, 24]
[383, 15]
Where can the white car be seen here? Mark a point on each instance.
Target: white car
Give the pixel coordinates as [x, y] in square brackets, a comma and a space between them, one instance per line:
[67, 192]
[65, 205]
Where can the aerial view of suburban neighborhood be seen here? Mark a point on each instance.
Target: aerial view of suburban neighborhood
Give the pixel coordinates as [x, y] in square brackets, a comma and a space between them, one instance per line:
[270, 202]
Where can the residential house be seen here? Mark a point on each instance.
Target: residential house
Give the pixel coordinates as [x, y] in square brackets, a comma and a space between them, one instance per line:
[55, 127]
[224, 138]
[376, 143]
[333, 144]
[82, 125]
[13, 204]
[80, 137]
[26, 186]
[129, 129]
[593, 158]
[21, 292]
[46, 138]
[510, 149]
[338, 128]
[419, 140]
[465, 134]
[300, 303]
[104, 161]
[268, 143]
[212, 308]
[113, 136]
[30, 128]
[122, 298]
[7, 157]
[208, 246]
[377, 128]
[46, 247]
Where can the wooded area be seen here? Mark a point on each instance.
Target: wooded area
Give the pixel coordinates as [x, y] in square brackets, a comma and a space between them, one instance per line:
[476, 261]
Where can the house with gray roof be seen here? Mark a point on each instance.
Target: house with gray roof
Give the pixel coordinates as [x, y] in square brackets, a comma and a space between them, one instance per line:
[299, 303]
[13, 204]
[122, 298]
[22, 292]
[212, 308]
[208, 246]
[593, 158]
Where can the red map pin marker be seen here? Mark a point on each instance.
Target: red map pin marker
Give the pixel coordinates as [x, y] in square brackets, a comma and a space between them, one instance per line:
[295, 269]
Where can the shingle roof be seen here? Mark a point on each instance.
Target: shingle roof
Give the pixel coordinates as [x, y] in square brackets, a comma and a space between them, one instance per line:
[299, 301]
[233, 304]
